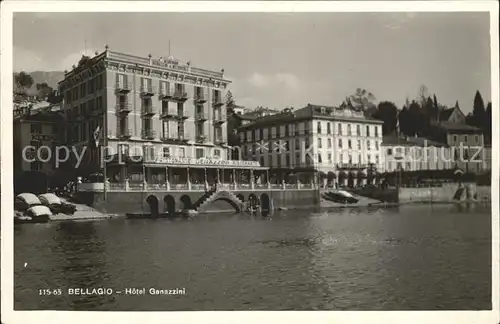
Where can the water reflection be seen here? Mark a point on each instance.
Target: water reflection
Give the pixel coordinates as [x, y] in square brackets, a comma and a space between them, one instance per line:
[421, 257]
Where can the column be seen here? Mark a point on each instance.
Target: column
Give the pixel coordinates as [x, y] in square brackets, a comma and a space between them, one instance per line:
[252, 182]
[167, 178]
[234, 180]
[144, 182]
[206, 180]
[188, 179]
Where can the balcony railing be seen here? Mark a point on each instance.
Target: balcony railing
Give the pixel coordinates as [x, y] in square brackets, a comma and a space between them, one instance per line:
[219, 118]
[147, 110]
[123, 87]
[124, 107]
[167, 113]
[201, 138]
[148, 90]
[200, 116]
[217, 101]
[180, 95]
[352, 166]
[200, 98]
[164, 93]
[148, 134]
[181, 115]
[124, 133]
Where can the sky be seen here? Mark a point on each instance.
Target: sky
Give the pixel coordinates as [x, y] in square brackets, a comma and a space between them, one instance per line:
[280, 60]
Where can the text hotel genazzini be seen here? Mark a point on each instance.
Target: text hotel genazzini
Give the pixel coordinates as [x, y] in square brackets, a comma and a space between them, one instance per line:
[110, 291]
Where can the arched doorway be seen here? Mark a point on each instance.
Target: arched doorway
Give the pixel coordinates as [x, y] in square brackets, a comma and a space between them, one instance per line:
[265, 202]
[169, 204]
[153, 205]
[252, 201]
[186, 202]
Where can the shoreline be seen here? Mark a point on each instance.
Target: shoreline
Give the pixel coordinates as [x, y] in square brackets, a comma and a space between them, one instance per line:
[94, 216]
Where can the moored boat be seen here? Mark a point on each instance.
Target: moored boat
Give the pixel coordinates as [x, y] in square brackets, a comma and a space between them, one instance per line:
[56, 205]
[25, 201]
[35, 214]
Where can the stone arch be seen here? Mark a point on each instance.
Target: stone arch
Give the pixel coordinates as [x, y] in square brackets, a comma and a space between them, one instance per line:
[265, 202]
[186, 202]
[153, 205]
[169, 204]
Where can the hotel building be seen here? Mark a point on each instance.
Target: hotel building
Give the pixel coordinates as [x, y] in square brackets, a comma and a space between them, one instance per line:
[163, 121]
[339, 142]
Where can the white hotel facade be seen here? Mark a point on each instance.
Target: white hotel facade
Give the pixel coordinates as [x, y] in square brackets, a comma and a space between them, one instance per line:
[337, 142]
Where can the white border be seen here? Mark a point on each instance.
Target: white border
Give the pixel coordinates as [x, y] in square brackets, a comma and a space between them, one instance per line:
[10, 316]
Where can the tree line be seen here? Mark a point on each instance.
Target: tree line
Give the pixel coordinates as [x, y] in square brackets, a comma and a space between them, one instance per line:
[23, 83]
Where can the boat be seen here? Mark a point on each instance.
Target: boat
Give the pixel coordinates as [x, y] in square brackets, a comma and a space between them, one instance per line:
[35, 214]
[24, 201]
[341, 196]
[56, 205]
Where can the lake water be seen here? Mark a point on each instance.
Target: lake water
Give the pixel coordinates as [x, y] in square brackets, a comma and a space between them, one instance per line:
[407, 258]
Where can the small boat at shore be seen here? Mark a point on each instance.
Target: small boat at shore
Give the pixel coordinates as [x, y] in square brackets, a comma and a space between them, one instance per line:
[56, 205]
[340, 196]
[35, 214]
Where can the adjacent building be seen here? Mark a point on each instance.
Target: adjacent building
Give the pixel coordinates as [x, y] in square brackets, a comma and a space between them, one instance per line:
[339, 141]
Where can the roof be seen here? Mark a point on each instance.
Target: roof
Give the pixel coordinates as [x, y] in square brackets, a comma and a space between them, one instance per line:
[450, 126]
[411, 141]
[394, 140]
[445, 114]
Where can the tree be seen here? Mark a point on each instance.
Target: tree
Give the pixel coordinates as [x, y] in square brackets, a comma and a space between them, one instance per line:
[423, 94]
[23, 80]
[429, 109]
[362, 99]
[479, 112]
[43, 90]
[404, 121]
[230, 104]
[388, 113]
[488, 128]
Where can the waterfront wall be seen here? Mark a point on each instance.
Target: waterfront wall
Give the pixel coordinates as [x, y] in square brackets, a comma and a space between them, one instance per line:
[136, 202]
[446, 193]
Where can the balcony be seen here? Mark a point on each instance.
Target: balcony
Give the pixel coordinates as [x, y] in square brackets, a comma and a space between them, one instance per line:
[123, 87]
[147, 91]
[180, 95]
[219, 119]
[201, 138]
[123, 107]
[173, 139]
[200, 116]
[350, 166]
[200, 98]
[166, 113]
[148, 110]
[124, 133]
[165, 94]
[220, 140]
[217, 101]
[181, 115]
[148, 134]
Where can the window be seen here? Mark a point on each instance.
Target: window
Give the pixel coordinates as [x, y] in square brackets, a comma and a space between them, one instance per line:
[330, 158]
[350, 160]
[377, 160]
[340, 129]
[182, 152]
[319, 143]
[349, 129]
[319, 127]
[349, 144]
[261, 134]
[359, 145]
[329, 143]
[36, 128]
[358, 130]
[376, 131]
[477, 139]
[328, 128]
[319, 159]
[359, 159]
[369, 157]
[368, 145]
[217, 153]
[123, 149]
[465, 138]
[261, 161]
[287, 130]
[180, 129]
[288, 163]
[376, 145]
[367, 131]
[166, 152]
[340, 143]
[455, 138]
[297, 144]
[341, 158]
[200, 153]
[389, 151]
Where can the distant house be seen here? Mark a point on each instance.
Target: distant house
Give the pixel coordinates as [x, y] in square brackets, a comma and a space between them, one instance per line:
[452, 115]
